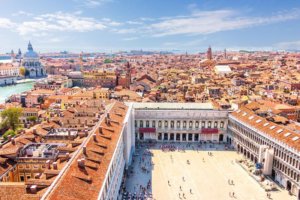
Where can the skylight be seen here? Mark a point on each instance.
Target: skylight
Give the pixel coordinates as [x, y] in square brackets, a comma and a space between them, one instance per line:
[287, 134]
[266, 124]
[279, 131]
[259, 120]
[244, 114]
[272, 127]
[295, 138]
[251, 117]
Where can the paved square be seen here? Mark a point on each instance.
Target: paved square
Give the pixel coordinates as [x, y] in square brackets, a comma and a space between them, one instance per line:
[206, 176]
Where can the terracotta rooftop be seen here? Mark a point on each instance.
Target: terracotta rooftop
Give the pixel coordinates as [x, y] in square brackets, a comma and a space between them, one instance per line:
[275, 131]
[85, 181]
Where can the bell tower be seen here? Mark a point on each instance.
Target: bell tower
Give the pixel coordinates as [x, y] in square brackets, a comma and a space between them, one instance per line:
[209, 53]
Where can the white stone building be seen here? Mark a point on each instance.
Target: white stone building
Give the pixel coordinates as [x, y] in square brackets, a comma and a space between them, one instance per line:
[31, 62]
[273, 146]
[180, 122]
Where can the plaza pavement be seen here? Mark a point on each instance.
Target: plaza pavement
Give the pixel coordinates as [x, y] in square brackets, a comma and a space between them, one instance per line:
[207, 176]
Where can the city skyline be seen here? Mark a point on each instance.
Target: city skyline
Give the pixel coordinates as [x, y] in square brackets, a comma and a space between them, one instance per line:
[113, 25]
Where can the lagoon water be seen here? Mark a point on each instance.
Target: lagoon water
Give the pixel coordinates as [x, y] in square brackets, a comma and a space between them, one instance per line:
[7, 91]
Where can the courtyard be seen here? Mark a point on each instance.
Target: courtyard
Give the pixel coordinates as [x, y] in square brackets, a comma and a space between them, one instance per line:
[193, 172]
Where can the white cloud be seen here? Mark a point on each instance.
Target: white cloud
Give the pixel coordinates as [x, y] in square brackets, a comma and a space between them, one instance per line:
[170, 44]
[55, 40]
[125, 30]
[134, 22]
[21, 12]
[95, 3]
[288, 45]
[6, 23]
[206, 22]
[59, 22]
[130, 38]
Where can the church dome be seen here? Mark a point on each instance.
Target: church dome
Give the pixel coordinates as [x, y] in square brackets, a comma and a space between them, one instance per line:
[30, 53]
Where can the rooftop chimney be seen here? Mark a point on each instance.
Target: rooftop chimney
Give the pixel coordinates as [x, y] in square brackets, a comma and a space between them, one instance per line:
[48, 164]
[38, 176]
[13, 141]
[54, 165]
[81, 163]
[84, 150]
[34, 130]
[95, 137]
[107, 121]
[33, 189]
[100, 130]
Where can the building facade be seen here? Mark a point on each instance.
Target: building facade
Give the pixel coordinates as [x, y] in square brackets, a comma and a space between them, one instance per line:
[178, 122]
[31, 62]
[274, 147]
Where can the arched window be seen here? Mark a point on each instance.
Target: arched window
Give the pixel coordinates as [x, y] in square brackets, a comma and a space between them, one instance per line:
[184, 124]
[166, 124]
[141, 123]
[178, 124]
[209, 124]
[191, 124]
[172, 124]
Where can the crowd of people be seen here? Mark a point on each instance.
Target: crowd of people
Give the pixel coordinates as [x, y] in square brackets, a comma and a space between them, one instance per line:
[144, 164]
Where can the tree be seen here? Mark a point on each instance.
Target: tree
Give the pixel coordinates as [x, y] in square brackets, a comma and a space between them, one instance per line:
[22, 71]
[106, 61]
[11, 118]
[7, 133]
[32, 119]
[41, 99]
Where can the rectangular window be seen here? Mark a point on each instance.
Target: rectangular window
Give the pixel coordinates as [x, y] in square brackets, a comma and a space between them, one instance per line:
[159, 124]
[147, 124]
[135, 123]
[203, 125]
[184, 124]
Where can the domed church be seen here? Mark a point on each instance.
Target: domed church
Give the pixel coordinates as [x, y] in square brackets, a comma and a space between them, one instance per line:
[31, 62]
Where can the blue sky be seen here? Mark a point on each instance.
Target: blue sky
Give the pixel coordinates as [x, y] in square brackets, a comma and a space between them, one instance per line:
[112, 25]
